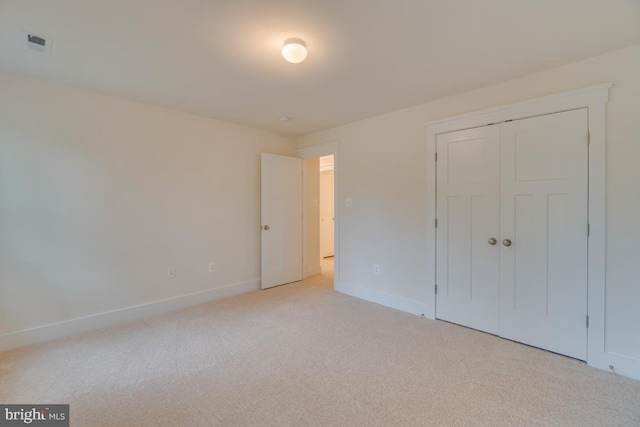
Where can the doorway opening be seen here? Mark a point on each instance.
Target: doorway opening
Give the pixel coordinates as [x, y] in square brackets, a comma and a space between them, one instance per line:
[326, 214]
[321, 163]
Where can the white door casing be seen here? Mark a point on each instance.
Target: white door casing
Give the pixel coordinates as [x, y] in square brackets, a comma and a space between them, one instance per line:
[468, 217]
[281, 217]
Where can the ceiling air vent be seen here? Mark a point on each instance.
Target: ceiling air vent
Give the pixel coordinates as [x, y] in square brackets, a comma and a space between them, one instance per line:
[39, 43]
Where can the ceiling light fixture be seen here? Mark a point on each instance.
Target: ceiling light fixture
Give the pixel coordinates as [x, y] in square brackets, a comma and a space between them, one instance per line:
[294, 50]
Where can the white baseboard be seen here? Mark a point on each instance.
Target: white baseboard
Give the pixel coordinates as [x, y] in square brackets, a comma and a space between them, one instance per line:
[99, 320]
[402, 304]
[618, 364]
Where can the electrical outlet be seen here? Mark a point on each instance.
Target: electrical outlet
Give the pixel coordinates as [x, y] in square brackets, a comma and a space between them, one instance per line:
[376, 268]
[212, 267]
[171, 273]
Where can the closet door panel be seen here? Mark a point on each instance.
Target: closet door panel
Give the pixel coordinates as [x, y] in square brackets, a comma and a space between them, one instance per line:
[467, 270]
[543, 273]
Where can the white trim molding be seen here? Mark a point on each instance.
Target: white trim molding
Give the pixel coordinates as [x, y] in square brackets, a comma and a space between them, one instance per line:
[331, 148]
[328, 149]
[95, 321]
[593, 98]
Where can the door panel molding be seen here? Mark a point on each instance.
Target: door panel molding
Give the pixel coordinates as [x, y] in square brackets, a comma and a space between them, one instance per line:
[593, 98]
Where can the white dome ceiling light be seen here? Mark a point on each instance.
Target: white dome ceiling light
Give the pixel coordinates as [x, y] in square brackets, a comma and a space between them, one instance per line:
[294, 50]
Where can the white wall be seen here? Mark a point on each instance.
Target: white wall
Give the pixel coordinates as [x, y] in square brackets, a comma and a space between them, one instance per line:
[100, 196]
[383, 169]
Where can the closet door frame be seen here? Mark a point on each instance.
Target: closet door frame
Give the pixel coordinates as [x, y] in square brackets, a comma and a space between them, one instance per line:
[593, 98]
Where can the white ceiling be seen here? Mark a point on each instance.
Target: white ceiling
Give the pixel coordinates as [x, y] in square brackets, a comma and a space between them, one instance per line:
[220, 58]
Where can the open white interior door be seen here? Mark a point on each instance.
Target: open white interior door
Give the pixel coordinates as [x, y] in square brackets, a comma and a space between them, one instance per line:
[281, 216]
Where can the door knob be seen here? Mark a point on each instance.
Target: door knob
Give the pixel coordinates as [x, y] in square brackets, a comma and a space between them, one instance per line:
[492, 241]
[266, 227]
[506, 242]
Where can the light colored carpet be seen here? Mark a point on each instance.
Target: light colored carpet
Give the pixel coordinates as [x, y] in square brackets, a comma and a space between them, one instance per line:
[303, 355]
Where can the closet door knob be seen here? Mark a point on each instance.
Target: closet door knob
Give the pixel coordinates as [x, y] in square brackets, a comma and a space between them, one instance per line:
[266, 227]
[492, 241]
[506, 242]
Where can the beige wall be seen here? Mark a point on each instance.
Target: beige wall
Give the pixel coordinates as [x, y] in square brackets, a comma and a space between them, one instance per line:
[99, 197]
[383, 169]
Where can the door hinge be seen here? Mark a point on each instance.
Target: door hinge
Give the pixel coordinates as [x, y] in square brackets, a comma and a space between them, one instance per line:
[588, 138]
[436, 289]
[436, 156]
[436, 222]
[588, 230]
[587, 321]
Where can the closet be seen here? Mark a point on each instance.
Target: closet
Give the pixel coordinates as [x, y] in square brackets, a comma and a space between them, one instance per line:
[511, 237]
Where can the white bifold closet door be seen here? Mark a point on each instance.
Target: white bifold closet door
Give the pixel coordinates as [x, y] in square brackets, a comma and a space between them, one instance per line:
[524, 184]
